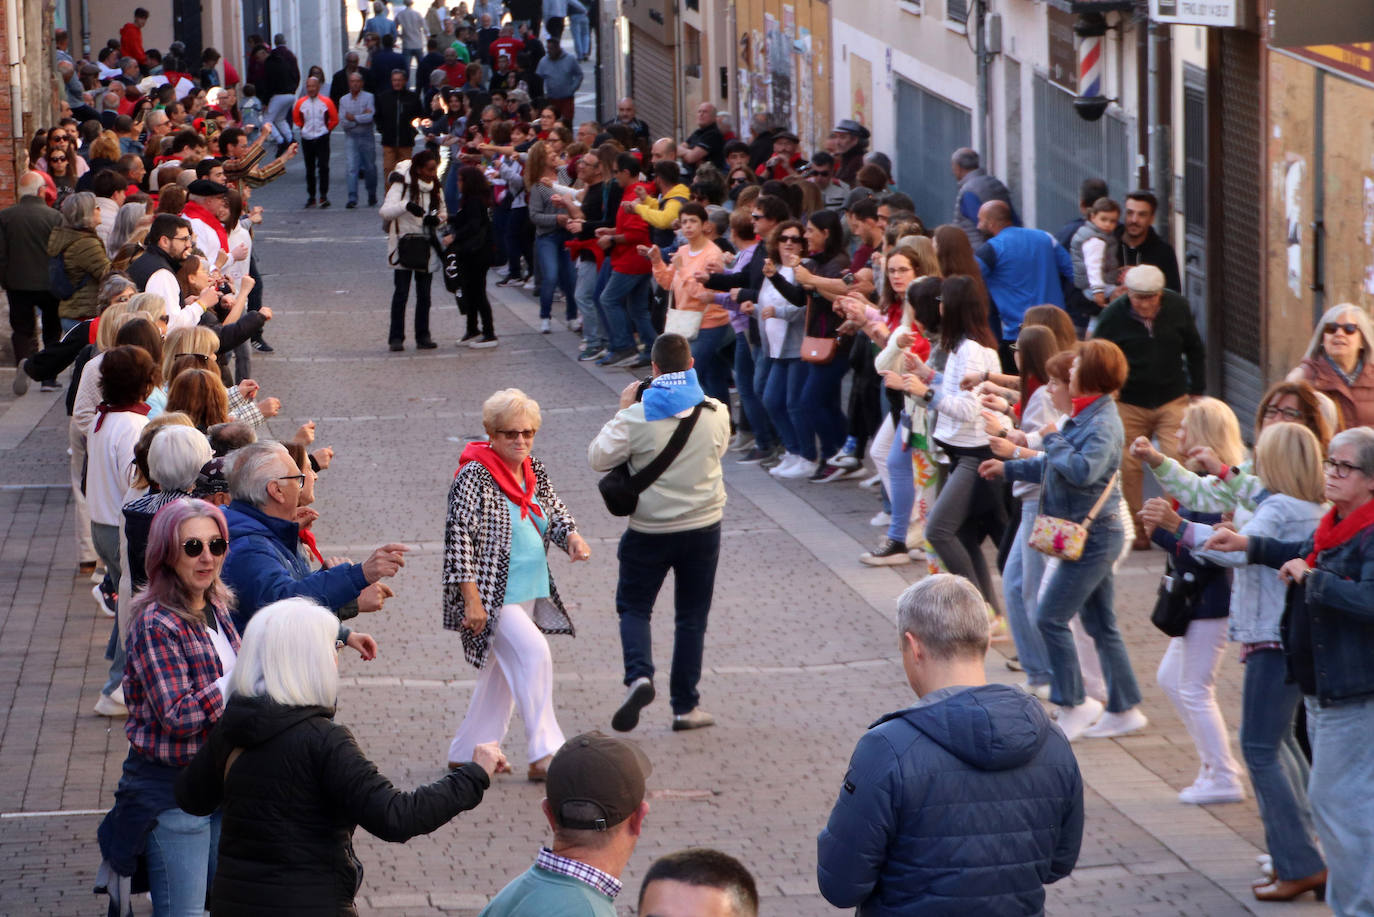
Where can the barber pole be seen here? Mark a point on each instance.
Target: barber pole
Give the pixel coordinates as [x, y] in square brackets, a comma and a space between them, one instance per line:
[1090, 66]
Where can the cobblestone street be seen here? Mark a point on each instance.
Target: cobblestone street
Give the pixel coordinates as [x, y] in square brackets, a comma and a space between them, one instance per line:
[801, 653]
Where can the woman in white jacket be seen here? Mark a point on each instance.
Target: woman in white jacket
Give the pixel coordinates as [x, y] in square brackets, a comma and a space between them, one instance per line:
[413, 206]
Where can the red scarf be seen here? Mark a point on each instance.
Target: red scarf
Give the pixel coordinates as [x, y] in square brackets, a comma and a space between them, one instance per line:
[1331, 533]
[102, 409]
[522, 497]
[1031, 384]
[193, 211]
[308, 539]
[1080, 403]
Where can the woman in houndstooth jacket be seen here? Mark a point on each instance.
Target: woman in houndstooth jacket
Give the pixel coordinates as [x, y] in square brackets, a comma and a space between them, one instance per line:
[498, 592]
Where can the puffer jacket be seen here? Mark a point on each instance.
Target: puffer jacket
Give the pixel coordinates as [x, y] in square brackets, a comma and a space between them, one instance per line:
[967, 805]
[84, 255]
[291, 802]
[1328, 625]
[401, 221]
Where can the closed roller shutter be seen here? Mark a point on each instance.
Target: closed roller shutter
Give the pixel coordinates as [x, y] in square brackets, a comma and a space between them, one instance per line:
[653, 83]
[929, 128]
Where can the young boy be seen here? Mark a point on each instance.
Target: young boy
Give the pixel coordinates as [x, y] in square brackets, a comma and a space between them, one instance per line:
[1093, 251]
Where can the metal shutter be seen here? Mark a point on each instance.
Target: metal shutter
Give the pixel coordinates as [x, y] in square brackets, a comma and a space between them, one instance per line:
[929, 129]
[653, 84]
[1069, 149]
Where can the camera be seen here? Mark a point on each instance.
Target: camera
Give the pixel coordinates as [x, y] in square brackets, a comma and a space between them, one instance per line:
[644, 385]
[225, 288]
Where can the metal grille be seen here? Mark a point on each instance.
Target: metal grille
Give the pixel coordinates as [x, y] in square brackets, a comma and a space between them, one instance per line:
[929, 129]
[1069, 149]
[956, 10]
[1236, 288]
[653, 82]
[1195, 158]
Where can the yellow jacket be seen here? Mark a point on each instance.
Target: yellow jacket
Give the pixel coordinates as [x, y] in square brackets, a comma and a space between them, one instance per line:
[661, 216]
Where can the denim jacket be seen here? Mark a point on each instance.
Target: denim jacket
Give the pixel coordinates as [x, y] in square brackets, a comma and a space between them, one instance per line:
[1328, 626]
[1076, 465]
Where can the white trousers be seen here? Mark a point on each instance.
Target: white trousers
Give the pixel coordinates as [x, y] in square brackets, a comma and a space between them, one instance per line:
[880, 446]
[76, 446]
[519, 670]
[1187, 674]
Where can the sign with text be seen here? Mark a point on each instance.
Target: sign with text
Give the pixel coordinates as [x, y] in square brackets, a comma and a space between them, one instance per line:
[1351, 60]
[1225, 13]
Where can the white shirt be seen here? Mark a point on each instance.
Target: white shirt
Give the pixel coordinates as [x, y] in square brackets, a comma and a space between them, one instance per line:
[314, 118]
[225, 651]
[164, 284]
[961, 421]
[207, 240]
[109, 463]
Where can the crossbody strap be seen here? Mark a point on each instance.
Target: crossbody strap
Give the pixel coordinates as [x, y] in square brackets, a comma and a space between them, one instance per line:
[1097, 507]
[641, 479]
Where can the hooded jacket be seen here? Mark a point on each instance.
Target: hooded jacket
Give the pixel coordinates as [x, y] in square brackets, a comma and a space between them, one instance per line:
[84, 256]
[967, 803]
[290, 803]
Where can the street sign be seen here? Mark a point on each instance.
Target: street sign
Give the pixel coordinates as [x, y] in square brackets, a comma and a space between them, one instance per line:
[1224, 13]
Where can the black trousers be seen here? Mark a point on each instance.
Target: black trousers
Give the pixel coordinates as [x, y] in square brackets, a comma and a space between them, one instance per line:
[316, 158]
[398, 305]
[476, 305]
[26, 306]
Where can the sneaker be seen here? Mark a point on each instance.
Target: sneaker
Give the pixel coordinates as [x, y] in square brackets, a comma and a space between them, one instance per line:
[529, 285]
[262, 346]
[639, 696]
[324, 203]
[802, 469]
[742, 442]
[590, 353]
[372, 200]
[510, 280]
[485, 343]
[545, 326]
[888, 554]
[639, 362]
[786, 463]
[351, 205]
[916, 554]
[21, 377]
[1212, 790]
[426, 344]
[48, 385]
[396, 346]
[831, 472]
[470, 336]
[695, 719]
[1112, 725]
[612, 357]
[574, 324]
[107, 603]
[754, 456]
[1075, 721]
[774, 459]
[108, 706]
[880, 519]
[847, 461]
[1040, 691]
[310, 202]
[871, 482]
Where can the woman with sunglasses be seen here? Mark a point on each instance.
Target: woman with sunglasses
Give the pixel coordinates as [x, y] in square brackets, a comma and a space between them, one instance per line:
[1340, 365]
[58, 165]
[182, 648]
[498, 592]
[782, 326]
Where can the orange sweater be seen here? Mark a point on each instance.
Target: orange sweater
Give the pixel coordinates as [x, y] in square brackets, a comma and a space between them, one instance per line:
[677, 276]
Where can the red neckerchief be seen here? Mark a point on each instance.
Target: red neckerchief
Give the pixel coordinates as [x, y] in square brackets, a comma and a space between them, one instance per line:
[193, 211]
[1032, 384]
[1080, 403]
[522, 497]
[102, 409]
[578, 246]
[1332, 533]
[95, 326]
[308, 539]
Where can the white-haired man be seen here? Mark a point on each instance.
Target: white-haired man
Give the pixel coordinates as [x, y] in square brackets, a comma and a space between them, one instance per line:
[24, 231]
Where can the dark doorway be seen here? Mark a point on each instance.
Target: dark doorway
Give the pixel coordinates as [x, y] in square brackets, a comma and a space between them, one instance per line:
[186, 29]
[257, 20]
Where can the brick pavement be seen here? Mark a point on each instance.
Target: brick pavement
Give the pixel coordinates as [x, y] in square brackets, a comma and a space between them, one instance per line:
[793, 674]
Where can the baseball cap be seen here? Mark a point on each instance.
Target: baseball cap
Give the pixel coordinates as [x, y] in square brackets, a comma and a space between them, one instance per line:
[204, 187]
[1145, 278]
[850, 126]
[787, 135]
[595, 781]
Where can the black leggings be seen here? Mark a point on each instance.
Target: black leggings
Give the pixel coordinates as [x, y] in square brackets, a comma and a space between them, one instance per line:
[398, 305]
[473, 289]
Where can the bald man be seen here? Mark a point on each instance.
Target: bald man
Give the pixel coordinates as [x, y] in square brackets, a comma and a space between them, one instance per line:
[24, 231]
[663, 150]
[625, 116]
[705, 144]
[1022, 268]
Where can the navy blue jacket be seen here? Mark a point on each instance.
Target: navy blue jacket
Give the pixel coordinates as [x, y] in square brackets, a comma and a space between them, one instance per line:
[265, 566]
[968, 805]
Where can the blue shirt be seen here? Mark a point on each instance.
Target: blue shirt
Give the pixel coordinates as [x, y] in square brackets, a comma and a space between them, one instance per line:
[382, 25]
[528, 577]
[1022, 268]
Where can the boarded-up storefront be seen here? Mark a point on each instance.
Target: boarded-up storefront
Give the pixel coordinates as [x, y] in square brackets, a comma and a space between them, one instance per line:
[783, 66]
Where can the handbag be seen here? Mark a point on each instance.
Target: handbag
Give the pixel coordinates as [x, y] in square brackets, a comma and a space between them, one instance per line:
[412, 248]
[1064, 538]
[1173, 607]
[620, 489]
[686, 322]
[818, 350]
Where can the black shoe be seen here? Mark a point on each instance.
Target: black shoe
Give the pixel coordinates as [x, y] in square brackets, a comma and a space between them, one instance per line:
[396, 346]
[324, 203]
[372, 200]
[640, 695]
[426, 344]
[309, 203]
[889, 554]
[48, 385]
[469, 336]
[262, 346]
[351, 205]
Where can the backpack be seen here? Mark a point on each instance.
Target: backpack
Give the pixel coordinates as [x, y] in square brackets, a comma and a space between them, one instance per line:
[59, 281]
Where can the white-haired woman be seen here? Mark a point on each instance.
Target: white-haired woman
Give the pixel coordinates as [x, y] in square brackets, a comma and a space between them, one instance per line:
[84, 260]
[291, 785]
[498, 592]
[1339, 363]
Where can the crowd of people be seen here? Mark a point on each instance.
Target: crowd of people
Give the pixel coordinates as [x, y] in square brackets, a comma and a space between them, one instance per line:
[991, 382]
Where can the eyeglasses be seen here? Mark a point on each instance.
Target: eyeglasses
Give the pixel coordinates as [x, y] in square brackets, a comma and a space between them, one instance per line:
[193, 546]
[181, 238]
[517, 434]
[1273, 411]
[1340, 469]
[298, 478]
[1347, 327]
[755, 216]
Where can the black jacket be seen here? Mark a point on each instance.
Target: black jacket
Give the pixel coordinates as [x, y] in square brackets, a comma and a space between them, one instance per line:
[338, 84]
[1154, 250]
[395, 111]
[24, 231]
[147, 264]
[291, 801]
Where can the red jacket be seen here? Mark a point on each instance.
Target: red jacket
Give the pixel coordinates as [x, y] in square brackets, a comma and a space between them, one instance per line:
[131, 43]
[625, 259]
[505, 47]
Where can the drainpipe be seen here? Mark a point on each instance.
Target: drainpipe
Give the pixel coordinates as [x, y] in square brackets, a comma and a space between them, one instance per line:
[16, 76]
[1160, 111]
[982, 140]
[86, 29]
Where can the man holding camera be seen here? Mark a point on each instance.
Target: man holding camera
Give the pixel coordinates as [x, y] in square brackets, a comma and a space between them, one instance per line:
[675, 525]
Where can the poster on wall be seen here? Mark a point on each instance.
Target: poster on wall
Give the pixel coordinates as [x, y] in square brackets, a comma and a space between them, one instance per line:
[806, 104]
[860, 89]
[779, 49]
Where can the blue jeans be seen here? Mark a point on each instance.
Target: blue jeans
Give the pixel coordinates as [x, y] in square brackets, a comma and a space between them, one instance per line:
[362, 154]
[786, 376]
[593, 332]
[1020, 586]
[181, 852]
[749, 399]
[625, 301]
[582, 34]
[555, 269]
[1278, 769]
[713, 372]
[1084, 587]
[106, 541]
[645, 560]
[517, 224]
[902, 481]
[1342, 773]
[817, 414]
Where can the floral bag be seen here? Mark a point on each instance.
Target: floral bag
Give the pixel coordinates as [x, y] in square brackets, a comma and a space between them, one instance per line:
[1064, 538]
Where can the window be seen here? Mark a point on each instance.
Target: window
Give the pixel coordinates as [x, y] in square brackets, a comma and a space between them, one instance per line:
[914, 7]
[957, 11]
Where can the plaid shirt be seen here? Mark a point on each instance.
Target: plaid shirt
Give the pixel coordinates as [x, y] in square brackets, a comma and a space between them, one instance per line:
[169, 684]
[603, 882]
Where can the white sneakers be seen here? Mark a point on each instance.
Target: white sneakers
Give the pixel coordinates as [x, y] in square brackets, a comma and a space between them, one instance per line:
[1212, 788]
[1112, 725]
[1075, 721]
[112, 705]
[881, 520]
[793, 466]
[1040, 691]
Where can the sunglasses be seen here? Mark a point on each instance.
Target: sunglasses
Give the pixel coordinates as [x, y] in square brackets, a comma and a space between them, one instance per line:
[1333, 327]
[755, 216]
[517, 434]
[193, 546]
[58, 159]
[819, 174]
[792, 240]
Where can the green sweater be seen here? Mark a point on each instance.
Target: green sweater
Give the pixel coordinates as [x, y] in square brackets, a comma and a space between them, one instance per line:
[540, 893]
[1166, 361]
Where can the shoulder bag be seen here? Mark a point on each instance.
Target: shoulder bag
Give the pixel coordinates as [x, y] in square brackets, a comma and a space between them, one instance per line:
[817, 350]
[1173, 606]
[686, 322]
[1064, 538]
[413, 248]
[620, 489]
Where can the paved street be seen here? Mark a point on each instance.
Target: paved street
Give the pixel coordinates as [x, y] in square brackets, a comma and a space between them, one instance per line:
[801, 653]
